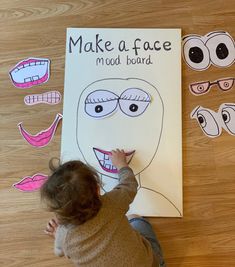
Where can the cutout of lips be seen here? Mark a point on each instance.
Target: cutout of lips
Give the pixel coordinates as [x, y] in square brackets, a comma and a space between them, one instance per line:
[42, 138]
[30, 72]
[51, 98]
[105, 162]
[30, 184]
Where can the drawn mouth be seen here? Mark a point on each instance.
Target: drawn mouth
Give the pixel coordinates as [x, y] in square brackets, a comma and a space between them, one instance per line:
[51, 98]
[29, 184]
[42, 138]
[29, 72]
[105, 162]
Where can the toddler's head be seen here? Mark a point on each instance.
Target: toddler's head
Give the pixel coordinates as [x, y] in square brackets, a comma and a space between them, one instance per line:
[71, 191]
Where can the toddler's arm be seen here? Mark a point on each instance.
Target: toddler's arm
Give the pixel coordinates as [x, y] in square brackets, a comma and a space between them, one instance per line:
[124, 193]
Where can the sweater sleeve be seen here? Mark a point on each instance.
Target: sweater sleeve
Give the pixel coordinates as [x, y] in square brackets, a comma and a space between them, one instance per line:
[124, 193]
[59, 240]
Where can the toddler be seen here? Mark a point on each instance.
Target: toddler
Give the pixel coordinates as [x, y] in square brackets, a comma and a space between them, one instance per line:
[92, 230]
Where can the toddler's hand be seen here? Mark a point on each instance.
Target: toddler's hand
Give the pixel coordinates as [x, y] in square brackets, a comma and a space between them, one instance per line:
[118, 158]
[51, 228]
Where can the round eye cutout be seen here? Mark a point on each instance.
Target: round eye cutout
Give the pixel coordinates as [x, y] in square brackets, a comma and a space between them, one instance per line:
[134, 101]
[208, 123]
[196, 54]
[228, 115]
[101, 103]
[222, 49]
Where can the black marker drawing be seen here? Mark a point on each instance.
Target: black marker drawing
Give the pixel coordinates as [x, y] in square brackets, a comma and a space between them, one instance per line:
[201, 88]
[136, 126]
[212, 123]
[216, 48]
[101, 103]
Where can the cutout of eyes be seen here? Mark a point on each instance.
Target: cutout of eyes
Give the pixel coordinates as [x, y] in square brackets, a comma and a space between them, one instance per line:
[226, 84]
[101, 103]
[228, 116]
[199, 88]
[222, 49]
[208, 121]
[196, 54]
[134, 101]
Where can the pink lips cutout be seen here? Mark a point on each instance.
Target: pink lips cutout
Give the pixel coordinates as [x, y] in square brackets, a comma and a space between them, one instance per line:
[42, 138]
[30, 184]
[30, 72]
[104, 162]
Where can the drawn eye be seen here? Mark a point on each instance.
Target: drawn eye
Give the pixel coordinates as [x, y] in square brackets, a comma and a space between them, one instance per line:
[222, 49]
[228, 115]
[207, 121]
[134, 101]
[199, 88]
[196, 54]
[101, 103]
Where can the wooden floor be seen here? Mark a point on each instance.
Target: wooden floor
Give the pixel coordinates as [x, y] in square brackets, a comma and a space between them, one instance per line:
[205, 237]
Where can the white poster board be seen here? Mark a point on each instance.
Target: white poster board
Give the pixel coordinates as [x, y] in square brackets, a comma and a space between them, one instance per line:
[123, 90]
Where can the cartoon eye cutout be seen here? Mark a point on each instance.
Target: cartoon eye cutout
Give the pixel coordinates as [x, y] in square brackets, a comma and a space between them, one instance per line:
[101, 103]
[200, 87]
[195, 53]
[222, 49]
[134, 101]
[226, 84]
[208, 121]
[228, 116]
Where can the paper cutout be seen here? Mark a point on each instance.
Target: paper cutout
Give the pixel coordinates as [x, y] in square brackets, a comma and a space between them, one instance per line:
[42, 138]
[212, 123]
[216, 48]
[30, 72]
[102, 103]
[31, 184]
[200, 88]
[105, 162]
[51, 98]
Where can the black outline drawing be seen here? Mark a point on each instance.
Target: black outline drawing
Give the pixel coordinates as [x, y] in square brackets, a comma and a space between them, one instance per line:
[217, 117]
[119, 100]
[222, 109]
[204, 39]
[210, 84]
[158, 142]
[32, 80]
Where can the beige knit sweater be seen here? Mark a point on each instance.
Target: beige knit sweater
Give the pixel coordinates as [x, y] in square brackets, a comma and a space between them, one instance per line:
[107, 240]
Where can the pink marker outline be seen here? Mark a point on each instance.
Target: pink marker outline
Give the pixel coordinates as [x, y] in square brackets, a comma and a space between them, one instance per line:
[43, 79]
[42, 138]
[31, 183]
[105, 152]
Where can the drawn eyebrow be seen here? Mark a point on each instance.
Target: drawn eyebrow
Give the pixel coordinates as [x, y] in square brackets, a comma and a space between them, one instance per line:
[195, 110]
[216, 32]
[191, 35]
[100, 96]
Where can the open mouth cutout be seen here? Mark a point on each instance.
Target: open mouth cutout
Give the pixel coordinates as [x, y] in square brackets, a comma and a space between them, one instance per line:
[29, 72]
[106, 163]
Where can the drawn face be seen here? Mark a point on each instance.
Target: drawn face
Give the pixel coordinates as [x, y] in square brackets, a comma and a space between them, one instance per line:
[119, 113]
[217, 48]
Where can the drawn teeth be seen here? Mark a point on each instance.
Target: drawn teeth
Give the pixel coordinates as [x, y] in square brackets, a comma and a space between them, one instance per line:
[108, 166]
[106, 156]
[28, 79]
[35, 78]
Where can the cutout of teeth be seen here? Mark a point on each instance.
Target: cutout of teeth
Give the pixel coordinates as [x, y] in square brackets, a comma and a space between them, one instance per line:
[29, 72]
[105, 162]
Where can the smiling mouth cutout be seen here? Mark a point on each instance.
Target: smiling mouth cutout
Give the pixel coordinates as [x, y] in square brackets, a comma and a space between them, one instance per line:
[30, 72]
[106, 163]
